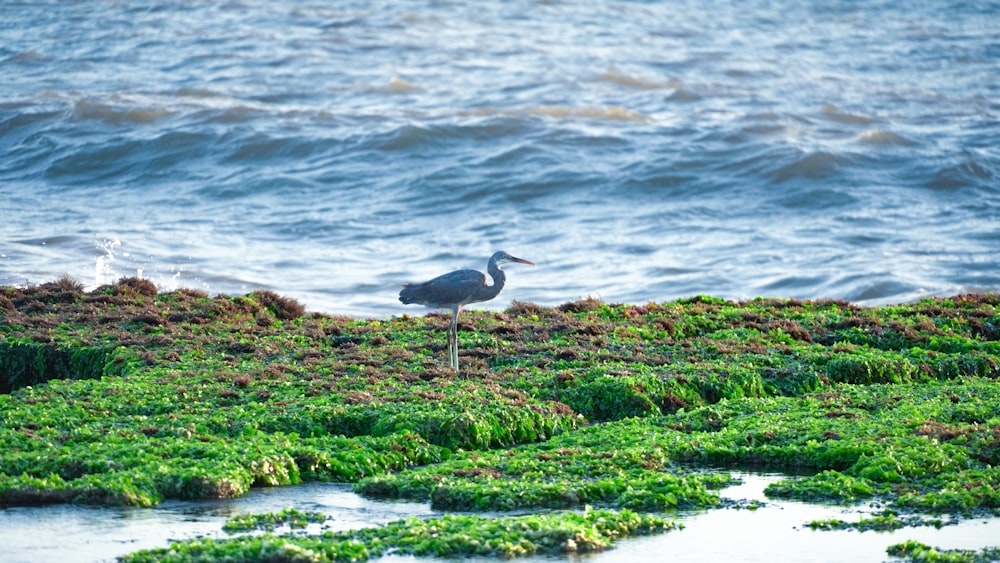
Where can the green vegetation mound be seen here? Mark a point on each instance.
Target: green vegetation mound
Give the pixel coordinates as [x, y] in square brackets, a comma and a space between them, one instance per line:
[123, 395]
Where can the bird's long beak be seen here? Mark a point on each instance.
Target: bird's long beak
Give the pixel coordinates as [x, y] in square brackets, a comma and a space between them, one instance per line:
[521, 261]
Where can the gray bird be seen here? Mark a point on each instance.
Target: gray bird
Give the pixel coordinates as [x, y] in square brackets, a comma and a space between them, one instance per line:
[456, 289]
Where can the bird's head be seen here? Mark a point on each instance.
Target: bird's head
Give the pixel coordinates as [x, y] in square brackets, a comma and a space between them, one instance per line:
[501, 257]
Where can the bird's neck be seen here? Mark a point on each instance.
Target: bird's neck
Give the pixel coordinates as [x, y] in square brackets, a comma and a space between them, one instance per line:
[499, 279]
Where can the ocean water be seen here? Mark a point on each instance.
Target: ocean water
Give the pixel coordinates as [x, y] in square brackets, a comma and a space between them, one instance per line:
[636, 151]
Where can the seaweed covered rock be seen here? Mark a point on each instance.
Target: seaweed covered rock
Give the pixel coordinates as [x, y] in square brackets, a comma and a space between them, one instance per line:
[109, 396]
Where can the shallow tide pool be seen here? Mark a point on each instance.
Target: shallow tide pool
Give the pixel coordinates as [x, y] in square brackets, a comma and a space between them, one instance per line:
[774, 531]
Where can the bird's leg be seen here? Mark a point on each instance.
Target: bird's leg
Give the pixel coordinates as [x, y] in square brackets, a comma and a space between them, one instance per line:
[453, 340]
[453, 349]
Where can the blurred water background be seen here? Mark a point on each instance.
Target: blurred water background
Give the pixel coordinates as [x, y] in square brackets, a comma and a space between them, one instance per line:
[635, 150]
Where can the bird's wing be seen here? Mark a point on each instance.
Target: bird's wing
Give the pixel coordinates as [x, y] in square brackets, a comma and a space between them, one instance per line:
[456, 287]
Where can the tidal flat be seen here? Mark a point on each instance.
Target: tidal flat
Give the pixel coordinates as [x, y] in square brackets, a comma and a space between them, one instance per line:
[566, 430]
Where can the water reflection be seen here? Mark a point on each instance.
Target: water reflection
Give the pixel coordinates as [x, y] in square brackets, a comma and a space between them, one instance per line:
[778, 531]
[80, 533]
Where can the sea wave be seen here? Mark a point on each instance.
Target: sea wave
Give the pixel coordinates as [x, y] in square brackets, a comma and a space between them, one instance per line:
[333, 152]
[120, 113]
[601, 113]
[882, 137]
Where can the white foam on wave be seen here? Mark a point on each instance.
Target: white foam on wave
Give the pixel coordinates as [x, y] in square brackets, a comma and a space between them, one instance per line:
[104, 271]
[114, 263]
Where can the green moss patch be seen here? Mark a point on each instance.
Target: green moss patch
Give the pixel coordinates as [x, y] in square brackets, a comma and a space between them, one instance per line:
[921, 446]
[622, 465]
[293, 518]
[447, 536]
[124, 395]
[885, 521]
[916, 551]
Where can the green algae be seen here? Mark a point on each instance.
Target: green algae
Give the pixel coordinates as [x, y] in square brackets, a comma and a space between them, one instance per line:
[447, 536]
[915, 551]
[205, 398]
[292, 517]
[598, 465]
[863, 441]
[884, 521]
[30, 363]
[128, 396]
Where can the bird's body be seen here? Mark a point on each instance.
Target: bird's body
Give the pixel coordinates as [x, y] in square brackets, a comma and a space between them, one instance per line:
[456, 289]
[460, 287]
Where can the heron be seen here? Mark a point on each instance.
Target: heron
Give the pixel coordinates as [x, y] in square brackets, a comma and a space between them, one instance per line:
[457, 289]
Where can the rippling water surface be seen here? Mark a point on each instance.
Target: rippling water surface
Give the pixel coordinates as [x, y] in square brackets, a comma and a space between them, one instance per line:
[635, 150]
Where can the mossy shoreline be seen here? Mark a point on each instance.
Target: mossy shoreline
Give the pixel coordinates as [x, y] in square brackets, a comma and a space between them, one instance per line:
[124, 395]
